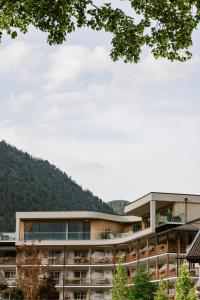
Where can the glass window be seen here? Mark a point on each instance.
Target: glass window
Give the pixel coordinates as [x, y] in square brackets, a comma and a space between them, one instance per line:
[86, 231]
[11, 274]
[54, 274]
[80, 274]
[79, 295]
[80, 253]
[31, 231]
[55, 253]
[75, 230]
[45, 231]
[78, 231]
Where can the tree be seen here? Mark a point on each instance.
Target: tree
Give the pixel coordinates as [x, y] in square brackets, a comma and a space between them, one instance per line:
[12, 294]
[143, 288]
[120, 290]
[161, 293]
[47, 290]
[192, 294]
[165, 26]
[184, 285]
[31, 271]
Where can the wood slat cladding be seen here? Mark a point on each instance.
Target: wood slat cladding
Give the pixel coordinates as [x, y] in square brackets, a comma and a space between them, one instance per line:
[99, 226]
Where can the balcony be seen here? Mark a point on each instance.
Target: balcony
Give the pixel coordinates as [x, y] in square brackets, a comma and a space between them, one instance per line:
[101, 281]
[102, 260]
[7, 260]
[76, 281]
[99, 235]
[78, 260]
[4, 236]
[56, 261]
[169, 218]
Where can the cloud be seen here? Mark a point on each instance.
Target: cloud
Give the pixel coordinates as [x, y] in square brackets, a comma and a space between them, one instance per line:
[118, 129]
[17, 103]
[14, 55]
[68, 64]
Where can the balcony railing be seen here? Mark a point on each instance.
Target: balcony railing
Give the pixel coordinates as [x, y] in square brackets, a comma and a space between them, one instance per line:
[101, 281]
[170, 219]
[78, 260]
[76, 281]
[146, 252]
[99, 235]
[7, 236]
[7, 260]
[56, 236]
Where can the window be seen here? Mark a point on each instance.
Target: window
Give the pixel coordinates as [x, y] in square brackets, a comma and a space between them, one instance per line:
[79, 274]
[54, 274]
[79, 295]
[99, 295]
[80, 253]
[10, 274]
[45, 231]
[57, 230]
[55, 253]
[100, 273]
[78, 230]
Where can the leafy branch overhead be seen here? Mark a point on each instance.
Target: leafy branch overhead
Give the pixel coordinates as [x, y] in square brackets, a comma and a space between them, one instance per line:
[165, 26]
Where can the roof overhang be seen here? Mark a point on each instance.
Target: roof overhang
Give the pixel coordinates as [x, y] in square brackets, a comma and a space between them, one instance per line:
[85, 215]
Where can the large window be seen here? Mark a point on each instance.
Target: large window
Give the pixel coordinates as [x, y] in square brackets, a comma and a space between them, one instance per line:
[80, 295]
[78, 231]
[71, 230]
[45, 231]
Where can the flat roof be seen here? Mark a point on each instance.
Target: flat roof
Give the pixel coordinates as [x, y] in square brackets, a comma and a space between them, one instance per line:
[159, 196]
[56, 215]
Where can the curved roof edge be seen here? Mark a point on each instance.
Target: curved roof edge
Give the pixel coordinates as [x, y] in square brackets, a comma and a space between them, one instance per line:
[76, 215]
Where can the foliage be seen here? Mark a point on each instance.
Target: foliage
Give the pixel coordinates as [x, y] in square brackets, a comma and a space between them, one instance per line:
[161, 293]
[143, 289]
[31, 271]
[184, 285]
[120, 290]
[30, 184]
[192, 294]
[118, 206]
[47, 290]
[165, 26]
[12, 294]
[106, 234]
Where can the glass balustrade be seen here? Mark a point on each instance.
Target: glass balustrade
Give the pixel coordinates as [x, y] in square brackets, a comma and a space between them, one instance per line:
[169, 218]
[101, 235]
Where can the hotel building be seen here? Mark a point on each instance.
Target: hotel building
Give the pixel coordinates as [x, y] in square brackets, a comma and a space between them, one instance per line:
[83, 248]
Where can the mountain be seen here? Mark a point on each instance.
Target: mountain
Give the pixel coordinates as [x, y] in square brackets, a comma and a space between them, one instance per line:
[118, 206]
[31, 184]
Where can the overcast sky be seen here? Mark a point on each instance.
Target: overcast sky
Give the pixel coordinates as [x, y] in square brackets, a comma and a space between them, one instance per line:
[120, 130]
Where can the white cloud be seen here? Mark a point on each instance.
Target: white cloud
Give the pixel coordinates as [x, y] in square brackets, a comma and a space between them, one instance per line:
[119, 129]
[67, 64]
[13, 55]
[17, 103]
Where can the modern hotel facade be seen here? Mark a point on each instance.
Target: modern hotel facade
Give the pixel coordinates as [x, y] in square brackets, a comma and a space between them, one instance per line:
[83, 248]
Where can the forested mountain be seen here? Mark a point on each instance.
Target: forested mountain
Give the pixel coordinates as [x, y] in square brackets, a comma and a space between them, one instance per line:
[31, 184]
[118, 206]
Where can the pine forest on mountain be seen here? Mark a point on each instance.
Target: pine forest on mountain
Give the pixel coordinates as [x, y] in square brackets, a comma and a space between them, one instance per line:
[31, 184]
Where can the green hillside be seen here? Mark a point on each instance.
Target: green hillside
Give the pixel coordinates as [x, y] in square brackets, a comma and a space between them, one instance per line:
[31, 184]
[118, 206]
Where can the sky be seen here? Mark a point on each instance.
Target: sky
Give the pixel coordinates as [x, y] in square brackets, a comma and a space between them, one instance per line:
[119, 130]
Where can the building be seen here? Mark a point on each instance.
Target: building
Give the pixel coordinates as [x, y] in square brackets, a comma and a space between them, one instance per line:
[83, 248]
